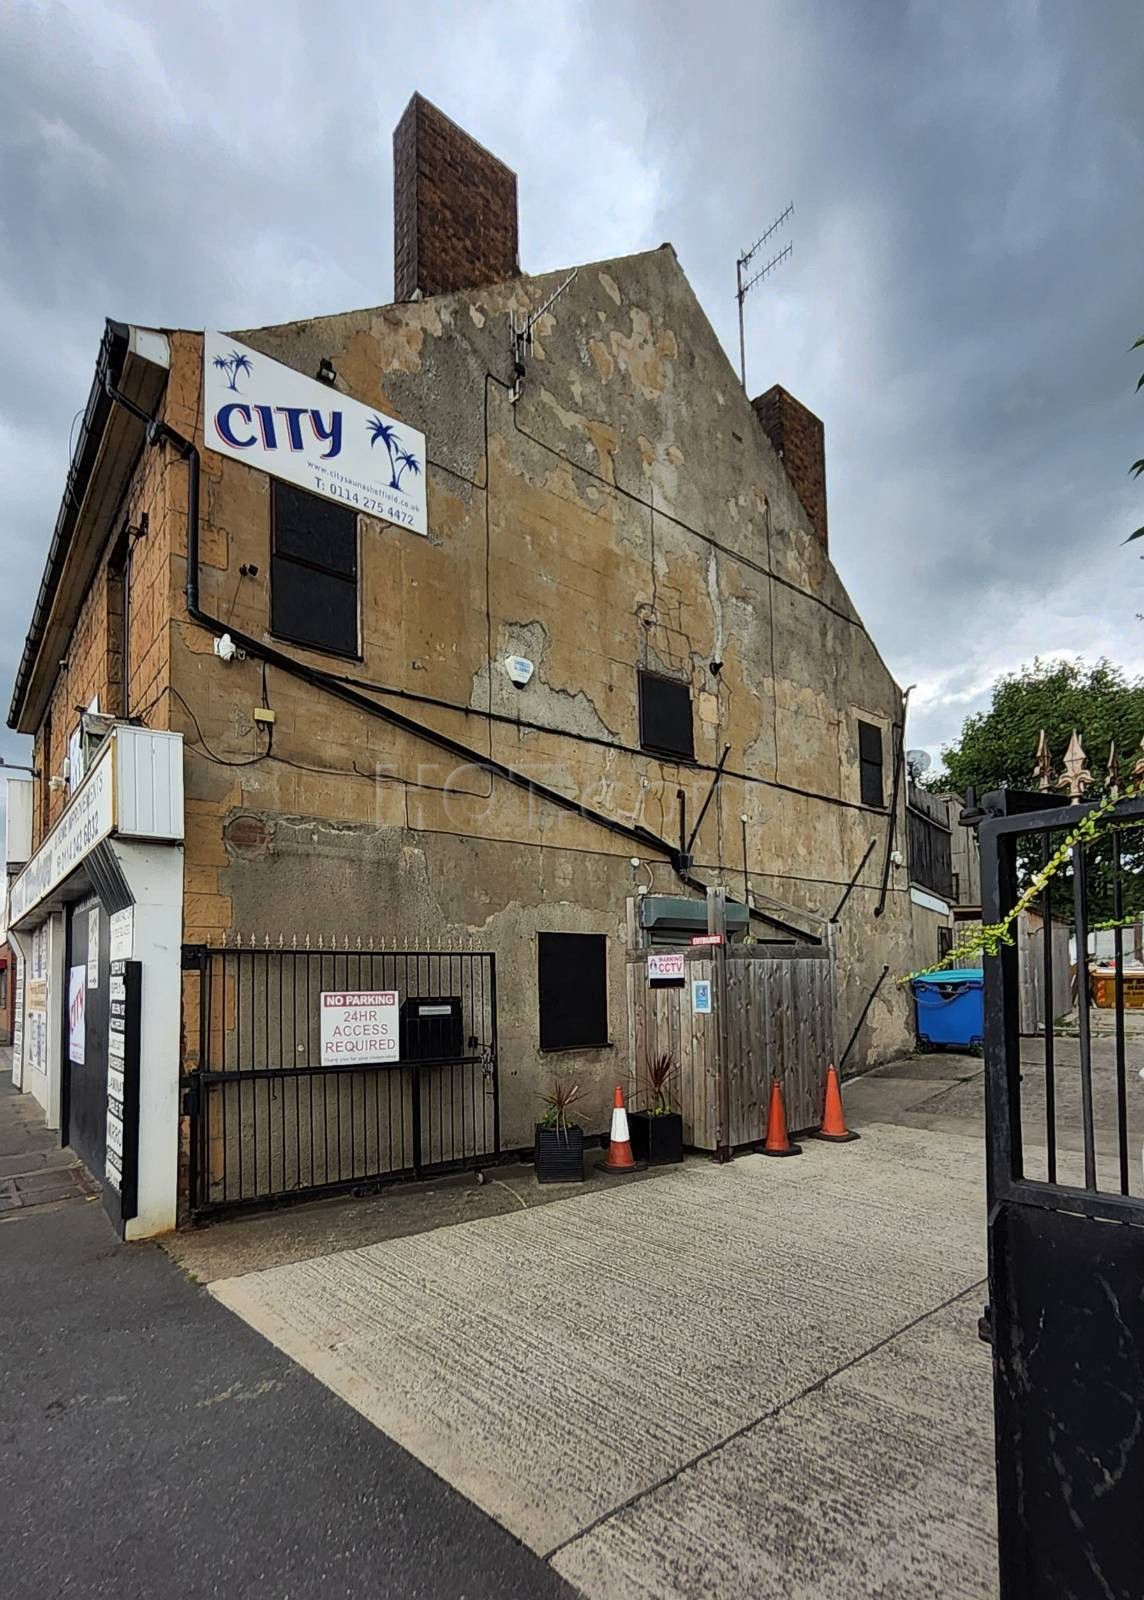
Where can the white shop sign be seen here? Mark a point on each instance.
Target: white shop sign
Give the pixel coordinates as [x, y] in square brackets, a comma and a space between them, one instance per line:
[360, 1026]
[665, 967]
[88, 819]
[309, 433]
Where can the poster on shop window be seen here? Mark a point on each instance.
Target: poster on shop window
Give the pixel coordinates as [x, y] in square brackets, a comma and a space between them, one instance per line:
[77, 1013]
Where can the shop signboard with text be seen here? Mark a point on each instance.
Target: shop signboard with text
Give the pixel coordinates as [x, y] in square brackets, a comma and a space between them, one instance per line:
[88, 819]
[276, 419]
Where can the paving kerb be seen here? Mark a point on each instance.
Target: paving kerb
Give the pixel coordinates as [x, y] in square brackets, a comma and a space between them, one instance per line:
[553, 1363]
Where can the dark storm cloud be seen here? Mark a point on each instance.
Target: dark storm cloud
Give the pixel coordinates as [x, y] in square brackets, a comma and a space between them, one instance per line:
[964, 285]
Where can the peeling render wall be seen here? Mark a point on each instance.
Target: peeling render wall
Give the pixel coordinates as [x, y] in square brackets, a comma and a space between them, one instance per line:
[629, 511]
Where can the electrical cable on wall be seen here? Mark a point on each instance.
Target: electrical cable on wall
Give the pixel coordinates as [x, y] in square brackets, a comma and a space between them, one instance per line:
[159, 432]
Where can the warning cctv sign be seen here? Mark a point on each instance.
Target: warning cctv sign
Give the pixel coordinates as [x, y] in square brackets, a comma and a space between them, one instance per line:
[360, 1027]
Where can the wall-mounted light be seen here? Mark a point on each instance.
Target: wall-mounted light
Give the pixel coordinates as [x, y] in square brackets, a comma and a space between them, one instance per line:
[326, 371]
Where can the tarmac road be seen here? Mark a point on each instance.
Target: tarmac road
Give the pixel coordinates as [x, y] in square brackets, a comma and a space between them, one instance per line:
[155, 1445]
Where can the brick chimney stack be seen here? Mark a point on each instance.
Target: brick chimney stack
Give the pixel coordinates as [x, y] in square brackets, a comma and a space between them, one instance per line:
[454, 208]
[798, 436]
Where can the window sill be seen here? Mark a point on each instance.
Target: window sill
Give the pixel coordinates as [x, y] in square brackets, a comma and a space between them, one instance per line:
[317, 649]
[571, 1049]
[674, 756]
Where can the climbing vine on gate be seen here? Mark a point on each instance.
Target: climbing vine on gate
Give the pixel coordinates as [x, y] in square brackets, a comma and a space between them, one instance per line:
[989, 938]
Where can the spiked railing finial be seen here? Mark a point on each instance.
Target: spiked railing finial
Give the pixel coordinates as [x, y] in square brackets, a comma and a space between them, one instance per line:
[1043, 766]
[1113, 768]
[1076, 778]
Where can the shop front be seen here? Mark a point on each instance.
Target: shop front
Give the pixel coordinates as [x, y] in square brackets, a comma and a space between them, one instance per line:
[96, 920]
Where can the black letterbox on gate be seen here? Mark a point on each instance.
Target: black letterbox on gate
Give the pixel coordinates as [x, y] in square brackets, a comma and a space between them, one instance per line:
[432, 1028]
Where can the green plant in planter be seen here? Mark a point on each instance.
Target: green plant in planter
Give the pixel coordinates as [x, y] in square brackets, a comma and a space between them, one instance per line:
[657, 1130]
[559, 1148]
[659, 1072]
[557, 1102]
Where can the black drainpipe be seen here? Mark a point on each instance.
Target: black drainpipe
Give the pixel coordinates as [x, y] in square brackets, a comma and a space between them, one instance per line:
[158, 432]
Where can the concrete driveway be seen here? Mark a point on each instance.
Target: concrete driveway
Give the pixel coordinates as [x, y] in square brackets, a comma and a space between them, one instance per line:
[762, 1379]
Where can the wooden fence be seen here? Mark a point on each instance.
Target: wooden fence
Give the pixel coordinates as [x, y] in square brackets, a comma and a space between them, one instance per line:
[772, 1016]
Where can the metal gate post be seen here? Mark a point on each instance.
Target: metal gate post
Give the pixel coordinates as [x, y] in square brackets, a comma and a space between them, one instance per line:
[1002, 1016]
[496, 1053]
[717, 923]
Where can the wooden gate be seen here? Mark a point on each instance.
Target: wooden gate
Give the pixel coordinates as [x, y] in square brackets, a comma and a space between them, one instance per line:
[772, 1015]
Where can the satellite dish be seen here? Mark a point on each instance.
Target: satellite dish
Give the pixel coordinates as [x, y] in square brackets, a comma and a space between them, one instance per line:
[919, 762]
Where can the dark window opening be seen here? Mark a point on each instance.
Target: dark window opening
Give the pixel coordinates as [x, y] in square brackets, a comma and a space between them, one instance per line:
[665, 716]
[870, 764]
[573, 981]
[313, 571]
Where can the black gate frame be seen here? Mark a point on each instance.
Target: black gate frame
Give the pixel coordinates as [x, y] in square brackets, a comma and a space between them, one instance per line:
[1066, 1269]
[458, 987]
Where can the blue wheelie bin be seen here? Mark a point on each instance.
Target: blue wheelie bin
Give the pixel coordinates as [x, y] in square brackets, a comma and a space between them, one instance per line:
[950, 1008]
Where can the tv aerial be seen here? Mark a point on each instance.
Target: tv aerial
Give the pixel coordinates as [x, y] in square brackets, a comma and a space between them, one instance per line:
[919, 763]
[743, 289]
[522, 334]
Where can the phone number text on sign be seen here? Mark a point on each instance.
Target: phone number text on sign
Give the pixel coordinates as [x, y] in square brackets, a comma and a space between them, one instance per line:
[360, 1026]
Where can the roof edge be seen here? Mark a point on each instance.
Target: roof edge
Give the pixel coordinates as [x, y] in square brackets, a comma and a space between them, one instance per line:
[121, 341]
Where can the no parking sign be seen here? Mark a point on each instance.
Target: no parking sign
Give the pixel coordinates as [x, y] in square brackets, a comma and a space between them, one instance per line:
[360, 1026]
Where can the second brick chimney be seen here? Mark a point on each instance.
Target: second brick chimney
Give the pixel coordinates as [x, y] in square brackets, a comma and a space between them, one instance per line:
[798, 436]
[454, 208]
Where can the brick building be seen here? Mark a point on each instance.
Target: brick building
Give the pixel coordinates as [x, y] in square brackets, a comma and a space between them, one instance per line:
[577, 644]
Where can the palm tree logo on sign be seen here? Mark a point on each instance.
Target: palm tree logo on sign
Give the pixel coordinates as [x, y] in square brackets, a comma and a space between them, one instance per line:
[400, 459]
[232, 365]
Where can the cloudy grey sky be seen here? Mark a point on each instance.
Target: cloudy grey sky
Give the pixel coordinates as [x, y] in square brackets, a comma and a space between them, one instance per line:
[966, 277]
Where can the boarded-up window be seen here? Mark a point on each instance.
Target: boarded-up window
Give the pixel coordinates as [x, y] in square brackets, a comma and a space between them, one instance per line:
[665, 716]
[573, 983]
[313, 571]
[870, 764]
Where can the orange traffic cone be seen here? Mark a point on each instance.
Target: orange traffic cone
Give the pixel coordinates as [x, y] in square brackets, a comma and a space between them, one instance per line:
[833, 1122]
[777, 1141]
[619, 1157]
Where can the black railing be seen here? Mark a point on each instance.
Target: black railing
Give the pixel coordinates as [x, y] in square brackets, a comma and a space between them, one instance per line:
[1093, 1119]
[276, 1115]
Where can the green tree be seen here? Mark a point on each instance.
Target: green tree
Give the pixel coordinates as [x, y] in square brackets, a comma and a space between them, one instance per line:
[998, 749]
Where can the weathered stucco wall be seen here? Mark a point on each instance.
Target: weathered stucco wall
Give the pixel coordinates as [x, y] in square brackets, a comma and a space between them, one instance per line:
[627, 512]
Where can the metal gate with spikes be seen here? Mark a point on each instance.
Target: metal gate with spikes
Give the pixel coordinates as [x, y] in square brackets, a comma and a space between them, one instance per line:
[1065, 1200]
[270, 1120]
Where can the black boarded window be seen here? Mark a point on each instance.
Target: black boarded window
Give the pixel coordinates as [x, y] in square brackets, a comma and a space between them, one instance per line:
[573, 981]
[665, 716]
[870, 764]
[313, 571]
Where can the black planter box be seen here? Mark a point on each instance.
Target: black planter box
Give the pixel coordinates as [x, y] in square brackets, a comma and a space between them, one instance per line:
[559, 1155]
[656, 1140]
